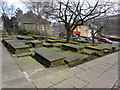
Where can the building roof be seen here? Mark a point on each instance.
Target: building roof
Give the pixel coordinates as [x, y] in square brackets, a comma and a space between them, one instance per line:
[30, 17]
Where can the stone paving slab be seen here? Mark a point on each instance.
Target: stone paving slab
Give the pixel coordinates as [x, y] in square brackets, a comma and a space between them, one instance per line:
[28, 63]
[11, 73]
[39, 74]
[42, 83]
[64, 74]
[54, 79]
[88, 75]
[109, 78]
[63, 84]
[98, 84]
[75, 70]
[75, 82]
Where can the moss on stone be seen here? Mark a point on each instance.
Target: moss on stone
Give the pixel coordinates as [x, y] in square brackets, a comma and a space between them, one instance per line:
[88, 51]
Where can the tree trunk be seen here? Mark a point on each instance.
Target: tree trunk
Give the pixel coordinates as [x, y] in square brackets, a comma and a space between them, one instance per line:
[93, 37]
[68, 36]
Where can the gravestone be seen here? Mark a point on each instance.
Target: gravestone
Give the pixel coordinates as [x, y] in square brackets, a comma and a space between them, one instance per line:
[72, 47]
[49, 58]
[24, 54]
[40, 37]
[71, 60]
[89, 51]
[24, 38]
[47, 44]
[74, 58]
[4, 40]
[18, 47]
[27, 42]
[36, 44]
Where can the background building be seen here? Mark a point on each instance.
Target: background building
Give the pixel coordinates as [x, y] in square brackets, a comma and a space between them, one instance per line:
[34, 23]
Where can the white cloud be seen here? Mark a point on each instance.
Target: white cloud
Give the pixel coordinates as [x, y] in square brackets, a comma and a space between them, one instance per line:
[17, 4]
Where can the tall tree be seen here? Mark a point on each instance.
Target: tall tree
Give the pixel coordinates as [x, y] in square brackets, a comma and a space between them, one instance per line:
[7, 12]
[76, 13]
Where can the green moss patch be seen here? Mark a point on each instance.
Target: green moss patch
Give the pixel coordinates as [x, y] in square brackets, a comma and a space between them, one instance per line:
[57, 44]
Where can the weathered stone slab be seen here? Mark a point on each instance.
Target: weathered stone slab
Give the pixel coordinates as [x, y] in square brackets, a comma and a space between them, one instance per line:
[41, 83]
[24, 54]
[75, 58]
[40, 37]
[24, 38]
[36, 44]
[57, 44]
[88, 51]
[71, 60]
[27, 42]
[72, 47]
[49, 58]
[3, 40]
[57, 49]
[28, 63]
[18, 47]
[47, 44]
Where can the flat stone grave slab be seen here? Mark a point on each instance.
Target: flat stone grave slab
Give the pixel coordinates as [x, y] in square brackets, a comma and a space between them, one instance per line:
[107, 47]
[18, 47]
[71, 60]
[54, 38]
[8, 42]
[47, 44]
[74, 58]
[95, 48]
[28, 63]
[57, 44]
[24, 38]
[72, 47]
[89, 51]
[27, 42]
[36, 43]
[62, 41]
[40, 37]
[24, 54]
[57, 49]
[3, 40]
[49, 57]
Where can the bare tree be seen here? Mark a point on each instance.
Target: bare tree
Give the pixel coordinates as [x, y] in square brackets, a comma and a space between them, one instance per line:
[96, 26]
[76, 13]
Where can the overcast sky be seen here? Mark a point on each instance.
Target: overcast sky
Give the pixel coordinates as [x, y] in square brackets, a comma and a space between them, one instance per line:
[19, 3]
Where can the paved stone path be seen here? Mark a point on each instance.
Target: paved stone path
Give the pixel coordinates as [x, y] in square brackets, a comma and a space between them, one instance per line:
[98, 73]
